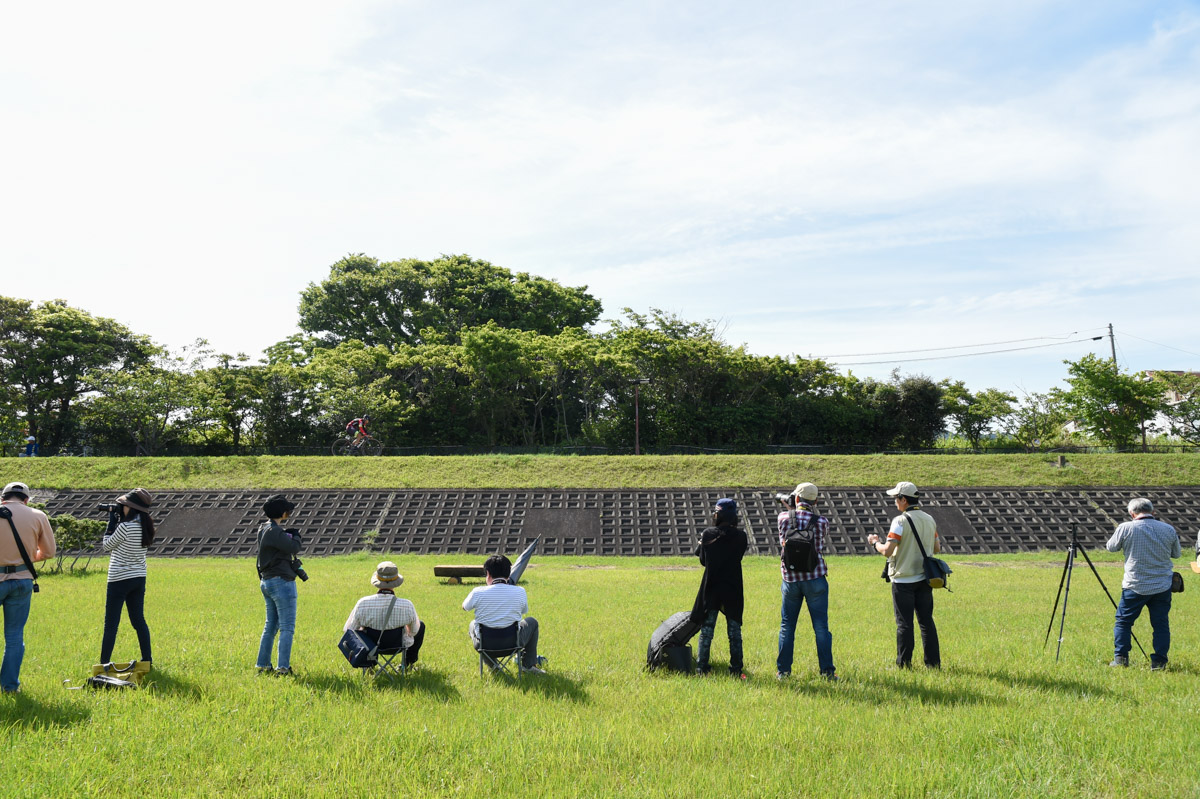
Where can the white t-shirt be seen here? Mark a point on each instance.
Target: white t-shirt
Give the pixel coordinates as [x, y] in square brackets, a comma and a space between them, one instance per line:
[498, 605]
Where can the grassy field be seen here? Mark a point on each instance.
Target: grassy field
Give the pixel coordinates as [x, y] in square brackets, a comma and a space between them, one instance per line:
[647, 471]
[1001, 719]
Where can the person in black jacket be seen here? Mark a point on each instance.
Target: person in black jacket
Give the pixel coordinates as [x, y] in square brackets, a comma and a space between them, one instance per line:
[720, 550]
[278, 568]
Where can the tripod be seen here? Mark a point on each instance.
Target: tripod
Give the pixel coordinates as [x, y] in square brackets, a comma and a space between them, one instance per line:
[1068, 567]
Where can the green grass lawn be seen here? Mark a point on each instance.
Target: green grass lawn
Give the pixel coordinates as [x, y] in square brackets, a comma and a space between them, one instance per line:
[602, 472]
[1001, 719]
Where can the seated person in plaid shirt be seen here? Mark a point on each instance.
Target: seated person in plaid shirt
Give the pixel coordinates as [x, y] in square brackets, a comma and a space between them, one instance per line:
[799, 586]
[371, 612]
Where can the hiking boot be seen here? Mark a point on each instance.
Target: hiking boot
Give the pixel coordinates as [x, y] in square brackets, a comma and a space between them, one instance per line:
[783, 675]
[285, 671]
[1119, 660]
[703, 671]
[829, 675]
[264, 669]
[1158, 665]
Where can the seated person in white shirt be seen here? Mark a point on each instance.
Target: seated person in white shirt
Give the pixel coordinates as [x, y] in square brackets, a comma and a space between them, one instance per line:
[499, 605]
[371, 612]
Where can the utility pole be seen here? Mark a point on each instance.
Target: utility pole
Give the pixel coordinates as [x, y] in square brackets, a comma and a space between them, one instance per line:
[637, 424]
[1112, 342]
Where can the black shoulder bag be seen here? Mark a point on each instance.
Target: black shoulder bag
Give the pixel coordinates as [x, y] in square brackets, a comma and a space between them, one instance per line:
[7, 514]
[936, 569]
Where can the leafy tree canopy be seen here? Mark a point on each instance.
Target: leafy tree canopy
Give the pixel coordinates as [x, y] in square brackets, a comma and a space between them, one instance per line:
[1111, 406]
[50, 354]
[412, 302]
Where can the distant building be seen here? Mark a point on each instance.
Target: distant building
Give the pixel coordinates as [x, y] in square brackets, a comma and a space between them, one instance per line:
[1173, 396]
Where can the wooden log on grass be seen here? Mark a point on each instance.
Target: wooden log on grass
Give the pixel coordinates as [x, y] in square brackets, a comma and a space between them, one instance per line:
[456, 573]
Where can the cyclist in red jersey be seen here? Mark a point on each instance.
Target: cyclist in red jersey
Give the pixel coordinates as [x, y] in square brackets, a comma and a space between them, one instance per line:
[359, 428]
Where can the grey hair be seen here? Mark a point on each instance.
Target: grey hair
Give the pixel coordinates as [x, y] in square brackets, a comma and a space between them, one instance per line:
[1140, 505]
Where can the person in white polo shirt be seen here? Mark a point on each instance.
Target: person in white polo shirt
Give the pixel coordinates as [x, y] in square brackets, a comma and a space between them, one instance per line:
[906, 570]
[498, 605]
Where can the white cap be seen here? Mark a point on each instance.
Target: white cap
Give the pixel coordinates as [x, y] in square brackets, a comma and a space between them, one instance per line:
[806, 491]
[904, 489]
[16, 488]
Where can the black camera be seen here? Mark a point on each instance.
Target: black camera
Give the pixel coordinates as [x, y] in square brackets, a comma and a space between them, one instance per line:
[108, 507]
[787, 499]
[296, 564]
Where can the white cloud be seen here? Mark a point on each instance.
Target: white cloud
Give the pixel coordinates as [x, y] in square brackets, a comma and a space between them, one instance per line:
[1022, 166]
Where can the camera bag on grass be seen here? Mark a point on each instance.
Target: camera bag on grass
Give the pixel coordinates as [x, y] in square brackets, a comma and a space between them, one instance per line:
[936, 569]
[674, 633]
[799, 552]
[6, 514]
[1176, 583]
[134, 671]
[359, 650]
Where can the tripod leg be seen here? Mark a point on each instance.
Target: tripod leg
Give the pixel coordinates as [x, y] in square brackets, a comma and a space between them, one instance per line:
[1066, 596]
[1113, 601]
[1058, 596]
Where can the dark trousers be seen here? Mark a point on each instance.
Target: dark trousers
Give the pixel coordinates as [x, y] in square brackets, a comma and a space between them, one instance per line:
[129, 593]
[908, 598]
[413, 652]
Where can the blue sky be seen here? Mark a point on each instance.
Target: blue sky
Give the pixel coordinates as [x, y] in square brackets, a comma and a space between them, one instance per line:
[823, 179]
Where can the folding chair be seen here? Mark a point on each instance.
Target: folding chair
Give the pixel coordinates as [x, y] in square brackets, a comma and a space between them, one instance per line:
[501, 649]
[391, 646]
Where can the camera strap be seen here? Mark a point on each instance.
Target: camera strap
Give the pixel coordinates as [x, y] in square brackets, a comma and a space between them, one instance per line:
[917, 536]
[7, 514]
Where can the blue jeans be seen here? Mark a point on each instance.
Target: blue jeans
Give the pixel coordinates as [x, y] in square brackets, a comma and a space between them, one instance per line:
[817, 593]
[708, 629]
[15, 596]
[280, 595]
[1159, 608]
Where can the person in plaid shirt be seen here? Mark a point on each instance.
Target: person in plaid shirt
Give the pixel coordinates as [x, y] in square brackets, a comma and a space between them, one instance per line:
[1149, 546]
[379, 613]
[799, 586]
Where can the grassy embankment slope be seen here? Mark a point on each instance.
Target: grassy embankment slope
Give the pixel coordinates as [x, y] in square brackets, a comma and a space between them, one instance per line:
[647, 471]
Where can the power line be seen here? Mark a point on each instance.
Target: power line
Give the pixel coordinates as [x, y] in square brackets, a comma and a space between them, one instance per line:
[956, 347]
[1159, 344]
[970, 354]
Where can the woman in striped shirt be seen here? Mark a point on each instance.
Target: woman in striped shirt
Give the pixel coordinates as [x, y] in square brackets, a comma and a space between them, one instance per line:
[127, 538]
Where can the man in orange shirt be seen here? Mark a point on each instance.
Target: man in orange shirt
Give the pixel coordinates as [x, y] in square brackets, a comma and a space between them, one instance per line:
[16, 581]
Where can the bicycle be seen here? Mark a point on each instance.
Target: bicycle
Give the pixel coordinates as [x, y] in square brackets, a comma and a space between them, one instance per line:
[363, 446]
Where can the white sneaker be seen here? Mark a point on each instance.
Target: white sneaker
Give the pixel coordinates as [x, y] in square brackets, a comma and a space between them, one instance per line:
[531, 670]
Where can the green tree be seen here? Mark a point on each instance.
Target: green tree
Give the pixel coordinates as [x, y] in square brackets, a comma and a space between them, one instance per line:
[920, 414]
[1037, 420]
[974, 415]
[1113, 407]
[151, 406]
[49, 355]
[1181, 404]
[412, 302]
[229, 395]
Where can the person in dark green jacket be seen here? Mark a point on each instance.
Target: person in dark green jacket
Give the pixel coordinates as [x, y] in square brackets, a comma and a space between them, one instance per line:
[278, 568]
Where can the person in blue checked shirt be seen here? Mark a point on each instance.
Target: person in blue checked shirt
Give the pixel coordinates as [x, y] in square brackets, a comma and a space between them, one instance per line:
[1149, 546]
[799, 586]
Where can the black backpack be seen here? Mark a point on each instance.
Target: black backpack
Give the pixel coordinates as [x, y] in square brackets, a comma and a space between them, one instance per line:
[799, 550]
